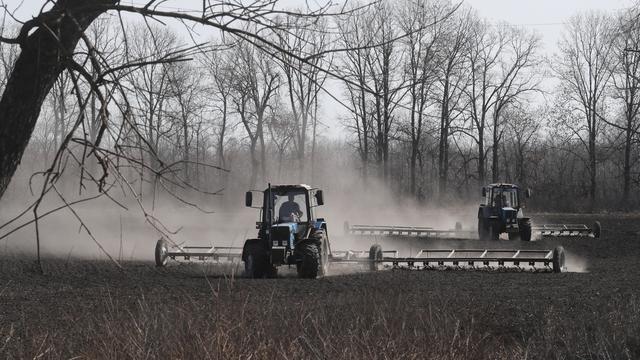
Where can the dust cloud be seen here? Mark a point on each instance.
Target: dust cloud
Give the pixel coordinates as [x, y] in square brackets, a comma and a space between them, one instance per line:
[126, 235]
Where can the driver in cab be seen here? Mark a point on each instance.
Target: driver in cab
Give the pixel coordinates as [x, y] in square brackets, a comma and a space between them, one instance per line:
[290, 210]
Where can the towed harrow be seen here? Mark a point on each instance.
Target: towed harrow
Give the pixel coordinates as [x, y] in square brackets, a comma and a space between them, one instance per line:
[375, 259]
[164, 252]
[473, 259]
[547, 230]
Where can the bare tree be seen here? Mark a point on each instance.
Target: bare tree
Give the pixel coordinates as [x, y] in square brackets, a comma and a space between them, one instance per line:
[453, 78]
[522, 134]
[219, 64]
[516, 78]
[626, 83]
[303, 77]
[387, 83]
[257, 82]
[187, 92]
[421, 21]
[352, 31]
[584, 69]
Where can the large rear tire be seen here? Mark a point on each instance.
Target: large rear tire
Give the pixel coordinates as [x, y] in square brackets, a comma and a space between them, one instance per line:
[256, 264]
[310, 265]
[322, 242]
[559, 260]
[162, 248]
[494, 230]
[375, 255]
[483, 231]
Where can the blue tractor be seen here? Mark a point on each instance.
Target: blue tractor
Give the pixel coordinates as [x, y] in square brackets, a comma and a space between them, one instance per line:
[289, 233]
[501, 212]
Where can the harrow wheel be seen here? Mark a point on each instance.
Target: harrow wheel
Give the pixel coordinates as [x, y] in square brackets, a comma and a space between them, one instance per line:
[162, 248]
[558, 260]
[375, 254]
[597, 229]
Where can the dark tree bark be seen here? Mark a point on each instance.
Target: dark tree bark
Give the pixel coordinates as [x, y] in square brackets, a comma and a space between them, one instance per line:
[43, 57]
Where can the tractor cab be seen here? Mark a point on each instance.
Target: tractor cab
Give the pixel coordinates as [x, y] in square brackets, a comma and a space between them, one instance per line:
[501, 211]
[287, 227]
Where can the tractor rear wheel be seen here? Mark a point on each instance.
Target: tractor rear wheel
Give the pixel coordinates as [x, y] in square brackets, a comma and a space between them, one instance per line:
[310, 265]
[162, 248]
[322, 242]
[256, 264]
[494, 230]
[483, 231]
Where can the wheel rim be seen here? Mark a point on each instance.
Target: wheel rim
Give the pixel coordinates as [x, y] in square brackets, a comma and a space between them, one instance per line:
[163, 254]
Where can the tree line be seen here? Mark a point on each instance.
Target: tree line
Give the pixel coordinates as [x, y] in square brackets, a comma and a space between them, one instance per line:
[433, 101]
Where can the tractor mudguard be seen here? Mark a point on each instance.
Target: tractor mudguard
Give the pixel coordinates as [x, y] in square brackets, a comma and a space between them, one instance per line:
[247, 243]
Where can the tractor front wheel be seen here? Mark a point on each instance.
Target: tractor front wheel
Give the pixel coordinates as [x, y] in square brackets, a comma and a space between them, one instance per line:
[525, 230]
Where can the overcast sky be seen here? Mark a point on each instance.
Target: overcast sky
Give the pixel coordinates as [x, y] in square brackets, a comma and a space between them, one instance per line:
[546, 17]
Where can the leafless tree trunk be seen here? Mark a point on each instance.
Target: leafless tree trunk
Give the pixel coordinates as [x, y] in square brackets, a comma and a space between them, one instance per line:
[422, 22]
[584, 68]
[46, 51]
[257, 84]
[304, 78]
[453, 80]
[626, 81]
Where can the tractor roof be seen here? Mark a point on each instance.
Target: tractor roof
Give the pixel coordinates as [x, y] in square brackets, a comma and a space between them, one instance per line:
[503, 186]
[289, 187]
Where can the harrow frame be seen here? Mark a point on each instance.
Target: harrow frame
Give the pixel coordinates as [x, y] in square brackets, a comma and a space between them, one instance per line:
[426, 232]
[464, 259]
[164, 252]
[424, 259]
